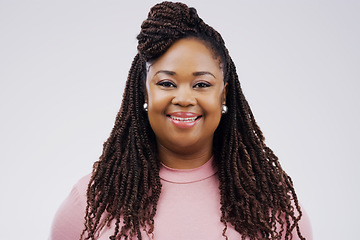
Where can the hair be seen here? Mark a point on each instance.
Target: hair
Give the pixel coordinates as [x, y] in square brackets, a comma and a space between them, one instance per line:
[257, 197]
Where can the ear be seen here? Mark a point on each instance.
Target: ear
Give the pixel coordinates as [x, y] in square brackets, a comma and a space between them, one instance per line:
[223, 98]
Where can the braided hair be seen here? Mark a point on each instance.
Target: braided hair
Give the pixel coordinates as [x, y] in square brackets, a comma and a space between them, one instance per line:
[257, 197]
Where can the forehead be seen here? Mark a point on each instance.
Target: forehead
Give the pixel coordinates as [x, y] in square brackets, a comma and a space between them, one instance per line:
[189, 53]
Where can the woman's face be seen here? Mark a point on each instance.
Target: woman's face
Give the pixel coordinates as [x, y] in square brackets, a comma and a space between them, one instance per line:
[185, 91]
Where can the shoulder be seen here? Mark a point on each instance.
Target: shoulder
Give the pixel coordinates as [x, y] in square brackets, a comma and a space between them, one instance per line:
[78, 193]
[68, 222]
[305, 225]
[82, 185]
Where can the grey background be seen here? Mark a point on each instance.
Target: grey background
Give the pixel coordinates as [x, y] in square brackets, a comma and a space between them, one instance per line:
[63, 65]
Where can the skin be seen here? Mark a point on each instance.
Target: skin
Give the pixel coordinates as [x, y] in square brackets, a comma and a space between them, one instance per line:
[187, 78]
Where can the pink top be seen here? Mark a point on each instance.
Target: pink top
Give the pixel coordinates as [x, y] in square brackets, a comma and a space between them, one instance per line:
[188, 209]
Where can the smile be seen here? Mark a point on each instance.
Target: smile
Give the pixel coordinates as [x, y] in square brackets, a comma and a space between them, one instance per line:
[184, 119]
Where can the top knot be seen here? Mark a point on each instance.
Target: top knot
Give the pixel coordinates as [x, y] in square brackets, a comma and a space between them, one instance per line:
[166, 23]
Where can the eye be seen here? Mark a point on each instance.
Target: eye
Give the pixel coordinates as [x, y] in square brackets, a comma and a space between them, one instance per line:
[166, 84]
[202, 85]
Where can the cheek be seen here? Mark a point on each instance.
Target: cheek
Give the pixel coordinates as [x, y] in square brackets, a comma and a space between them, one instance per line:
[213, 103]
[212, 109]
[157, 102]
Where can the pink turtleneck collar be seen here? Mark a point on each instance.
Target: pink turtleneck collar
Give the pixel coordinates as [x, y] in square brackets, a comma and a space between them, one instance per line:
[182, 176]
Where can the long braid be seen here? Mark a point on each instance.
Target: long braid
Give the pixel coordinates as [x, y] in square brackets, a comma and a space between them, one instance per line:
[122, 180]
[255, 191]
[257, 197]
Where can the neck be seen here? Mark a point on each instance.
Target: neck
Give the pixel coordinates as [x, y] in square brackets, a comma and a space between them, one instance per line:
[179, 160]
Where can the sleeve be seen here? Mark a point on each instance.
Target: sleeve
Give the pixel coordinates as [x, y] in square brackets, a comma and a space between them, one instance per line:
[68, 222]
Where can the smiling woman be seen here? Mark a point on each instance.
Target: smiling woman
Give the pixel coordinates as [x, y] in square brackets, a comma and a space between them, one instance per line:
[185, 159]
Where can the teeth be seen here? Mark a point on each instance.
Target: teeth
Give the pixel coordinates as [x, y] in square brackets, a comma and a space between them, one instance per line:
[184, 119]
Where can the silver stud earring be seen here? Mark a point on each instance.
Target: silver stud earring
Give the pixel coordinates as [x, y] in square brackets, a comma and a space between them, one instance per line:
[145, 106]
[224, 109]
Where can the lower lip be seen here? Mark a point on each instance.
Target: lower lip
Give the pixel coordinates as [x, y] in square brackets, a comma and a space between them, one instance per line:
[183, 124]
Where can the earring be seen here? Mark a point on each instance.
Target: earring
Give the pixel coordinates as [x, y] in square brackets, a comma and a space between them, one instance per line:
[224, 109]
[145, 106]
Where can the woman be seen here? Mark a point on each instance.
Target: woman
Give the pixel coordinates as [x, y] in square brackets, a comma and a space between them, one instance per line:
[185, 159]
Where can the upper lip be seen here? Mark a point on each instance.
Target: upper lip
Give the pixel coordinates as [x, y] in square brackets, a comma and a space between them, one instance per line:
[184, 114]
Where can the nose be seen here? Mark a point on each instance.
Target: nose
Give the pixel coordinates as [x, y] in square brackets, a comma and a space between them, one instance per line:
[184, 97]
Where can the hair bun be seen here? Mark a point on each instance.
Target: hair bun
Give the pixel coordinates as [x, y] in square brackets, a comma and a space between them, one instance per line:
[166, 23]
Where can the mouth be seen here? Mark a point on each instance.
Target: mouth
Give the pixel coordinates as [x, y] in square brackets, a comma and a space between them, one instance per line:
[184, 119]
[188, 119]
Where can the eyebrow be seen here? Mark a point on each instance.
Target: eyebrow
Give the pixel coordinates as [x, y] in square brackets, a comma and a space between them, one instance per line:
[203, 73]
[172, 73]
